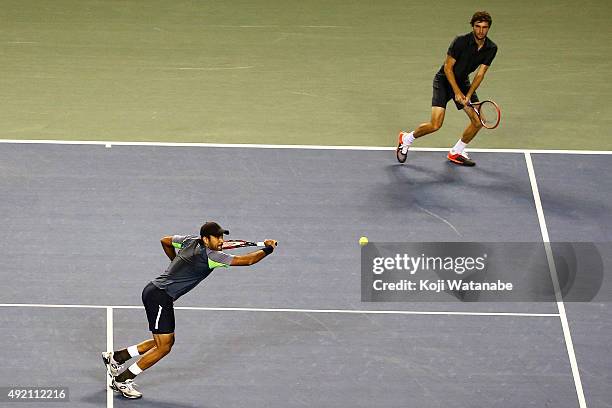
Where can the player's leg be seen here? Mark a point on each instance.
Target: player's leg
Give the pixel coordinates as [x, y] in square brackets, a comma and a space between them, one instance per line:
[163, 346]
[473, 127]
[435, 123]
[123, 382]
[114, 360]
[159, 309]
[442, 93]
[123, 355]
[407, 138]
[457, 153]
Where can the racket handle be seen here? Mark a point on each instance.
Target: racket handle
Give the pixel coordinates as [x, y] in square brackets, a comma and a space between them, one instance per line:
[263, 244]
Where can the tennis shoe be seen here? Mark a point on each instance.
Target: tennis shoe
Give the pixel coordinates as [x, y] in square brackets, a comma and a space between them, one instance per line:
[112, 367]
[127, 389]
[402, 149]
[462, 159]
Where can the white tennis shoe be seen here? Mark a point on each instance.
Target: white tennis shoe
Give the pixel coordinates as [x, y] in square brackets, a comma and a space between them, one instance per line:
[127, 389]
[112, 367]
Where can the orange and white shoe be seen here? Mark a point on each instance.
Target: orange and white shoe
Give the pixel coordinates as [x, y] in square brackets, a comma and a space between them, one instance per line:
[462, 159]
[402, 149]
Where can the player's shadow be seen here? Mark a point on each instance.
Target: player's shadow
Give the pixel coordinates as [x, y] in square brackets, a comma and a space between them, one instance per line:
[98, 397]
[426, 185]
[511, 183]
[148, 402]
[443, 187]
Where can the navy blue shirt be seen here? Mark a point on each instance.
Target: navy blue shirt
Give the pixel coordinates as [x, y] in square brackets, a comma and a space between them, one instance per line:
[468, 57]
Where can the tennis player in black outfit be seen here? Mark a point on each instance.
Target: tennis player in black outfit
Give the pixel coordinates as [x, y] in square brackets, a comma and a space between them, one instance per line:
[466, 53]
[197, 257]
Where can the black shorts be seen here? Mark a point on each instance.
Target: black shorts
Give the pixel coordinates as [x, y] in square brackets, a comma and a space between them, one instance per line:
[160, 309]
[443, 92]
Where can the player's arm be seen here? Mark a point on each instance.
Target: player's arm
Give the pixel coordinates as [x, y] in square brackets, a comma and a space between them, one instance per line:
[449, 63]
[482, 70]
[168, 247]
[255, 256]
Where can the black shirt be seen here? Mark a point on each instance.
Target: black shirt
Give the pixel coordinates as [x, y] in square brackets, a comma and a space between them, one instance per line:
[468, 57]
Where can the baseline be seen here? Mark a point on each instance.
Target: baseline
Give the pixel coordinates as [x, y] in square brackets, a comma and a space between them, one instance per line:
[280, 310]
[109, 144]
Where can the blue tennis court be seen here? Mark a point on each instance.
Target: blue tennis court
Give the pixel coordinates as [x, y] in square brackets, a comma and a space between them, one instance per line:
[82, 222]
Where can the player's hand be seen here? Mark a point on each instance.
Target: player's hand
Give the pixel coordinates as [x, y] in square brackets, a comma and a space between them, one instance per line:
[271, 243]
[460, 98]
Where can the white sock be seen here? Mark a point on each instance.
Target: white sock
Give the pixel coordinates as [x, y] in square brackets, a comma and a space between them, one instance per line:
[133, 350]
[408, 138]
[459, 147]
[134, 369]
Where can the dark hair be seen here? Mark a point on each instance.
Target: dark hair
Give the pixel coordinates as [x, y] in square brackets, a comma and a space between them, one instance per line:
[481, 16]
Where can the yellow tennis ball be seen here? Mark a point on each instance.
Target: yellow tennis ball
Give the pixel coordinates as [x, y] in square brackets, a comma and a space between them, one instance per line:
[363, 241]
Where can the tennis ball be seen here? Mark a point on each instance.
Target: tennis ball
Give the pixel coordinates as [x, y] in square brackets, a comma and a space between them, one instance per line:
[363, 241]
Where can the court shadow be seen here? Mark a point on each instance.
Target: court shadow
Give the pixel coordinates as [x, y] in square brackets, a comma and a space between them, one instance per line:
[441, 189]
[99, 398]
[96, 398]
[148, 402]
[415, 184]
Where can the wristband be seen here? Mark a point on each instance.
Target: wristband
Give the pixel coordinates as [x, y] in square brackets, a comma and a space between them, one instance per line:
[268, 249]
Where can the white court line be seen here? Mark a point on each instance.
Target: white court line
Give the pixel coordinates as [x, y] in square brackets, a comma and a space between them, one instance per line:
[555, 280]
[300, 147]
[109, 347]
[323, 26]
[280, 310]
[211, 68]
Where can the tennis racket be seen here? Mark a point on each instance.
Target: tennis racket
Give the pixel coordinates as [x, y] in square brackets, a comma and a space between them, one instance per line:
[239, 243]
[488, 112]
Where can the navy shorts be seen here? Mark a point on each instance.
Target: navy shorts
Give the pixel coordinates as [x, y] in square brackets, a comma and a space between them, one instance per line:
[443, 92]
[159, 307]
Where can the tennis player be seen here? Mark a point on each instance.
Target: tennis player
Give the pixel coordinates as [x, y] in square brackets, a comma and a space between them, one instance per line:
[197, 257]
[466, 53]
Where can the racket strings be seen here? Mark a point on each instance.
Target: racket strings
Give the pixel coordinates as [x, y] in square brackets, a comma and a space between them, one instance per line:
[488, 113]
